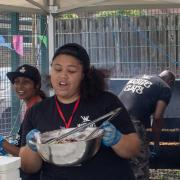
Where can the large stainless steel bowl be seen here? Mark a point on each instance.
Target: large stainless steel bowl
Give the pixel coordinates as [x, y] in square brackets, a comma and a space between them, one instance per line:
[72, 150]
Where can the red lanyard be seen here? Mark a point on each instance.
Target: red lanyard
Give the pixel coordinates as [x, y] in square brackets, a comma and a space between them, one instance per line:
[67, 124]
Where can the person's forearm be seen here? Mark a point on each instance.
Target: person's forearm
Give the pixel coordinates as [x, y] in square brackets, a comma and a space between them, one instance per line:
[158, 121]
[128, 146]
[31, 162]
[156, 130]
[10, 148]
[156, 135]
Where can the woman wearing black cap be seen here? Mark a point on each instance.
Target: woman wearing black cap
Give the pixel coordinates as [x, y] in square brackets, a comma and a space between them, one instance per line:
[80, 97]
[26, 82]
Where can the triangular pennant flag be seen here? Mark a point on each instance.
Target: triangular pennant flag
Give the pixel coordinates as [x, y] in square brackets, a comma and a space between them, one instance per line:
[3, 42]
[43, 39]
[18, 44]
[2, 39]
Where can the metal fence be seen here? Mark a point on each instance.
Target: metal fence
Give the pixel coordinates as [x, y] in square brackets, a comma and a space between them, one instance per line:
[131, 42]
[23, 40]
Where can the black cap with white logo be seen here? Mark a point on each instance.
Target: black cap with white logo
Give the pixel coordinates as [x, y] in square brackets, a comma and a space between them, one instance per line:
[25, 70]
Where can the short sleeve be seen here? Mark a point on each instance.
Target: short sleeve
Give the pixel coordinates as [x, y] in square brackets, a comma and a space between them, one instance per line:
[27, 126]
[165, 95]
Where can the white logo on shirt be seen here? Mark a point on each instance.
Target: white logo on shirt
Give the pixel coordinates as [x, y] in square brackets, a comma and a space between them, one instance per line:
[137, 85]
[85, 120]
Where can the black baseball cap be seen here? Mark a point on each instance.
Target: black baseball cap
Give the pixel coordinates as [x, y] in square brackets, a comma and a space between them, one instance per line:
[25, 70]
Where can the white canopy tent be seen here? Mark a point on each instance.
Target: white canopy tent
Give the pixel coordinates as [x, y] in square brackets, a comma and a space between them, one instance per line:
[54, 7]
[57, 6]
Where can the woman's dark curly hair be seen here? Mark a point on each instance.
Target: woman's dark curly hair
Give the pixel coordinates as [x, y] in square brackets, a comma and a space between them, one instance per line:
[94, 82]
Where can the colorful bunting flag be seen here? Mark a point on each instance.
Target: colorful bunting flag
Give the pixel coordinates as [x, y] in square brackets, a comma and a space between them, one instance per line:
[3, 42]
[18, 44]
[43, 39]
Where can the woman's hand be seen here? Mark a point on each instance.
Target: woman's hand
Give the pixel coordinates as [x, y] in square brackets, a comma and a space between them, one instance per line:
[125, 145]
[30, 137]
[111, 134]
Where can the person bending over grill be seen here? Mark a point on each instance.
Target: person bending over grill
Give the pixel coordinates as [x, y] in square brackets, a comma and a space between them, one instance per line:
[144, 96]
[80, 97]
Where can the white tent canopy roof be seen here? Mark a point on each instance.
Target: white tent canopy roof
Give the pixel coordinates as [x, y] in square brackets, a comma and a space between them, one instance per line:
[57, 6]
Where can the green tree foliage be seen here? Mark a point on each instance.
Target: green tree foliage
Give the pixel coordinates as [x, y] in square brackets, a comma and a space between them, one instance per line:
[120, 12]
[127, 12]
[69, 16]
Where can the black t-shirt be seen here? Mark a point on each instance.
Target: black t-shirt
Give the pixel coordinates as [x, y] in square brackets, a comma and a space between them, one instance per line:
[23, 175]
[141, 94]
[105, 165]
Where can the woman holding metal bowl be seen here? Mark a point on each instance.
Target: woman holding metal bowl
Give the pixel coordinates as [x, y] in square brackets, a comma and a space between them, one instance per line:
[80, 97]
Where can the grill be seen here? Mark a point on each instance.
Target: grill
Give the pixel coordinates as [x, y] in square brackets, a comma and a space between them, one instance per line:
[169, 150]
[167, 165]
[167, 136]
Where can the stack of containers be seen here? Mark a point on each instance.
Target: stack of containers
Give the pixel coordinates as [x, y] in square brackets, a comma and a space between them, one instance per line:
[9, 168]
